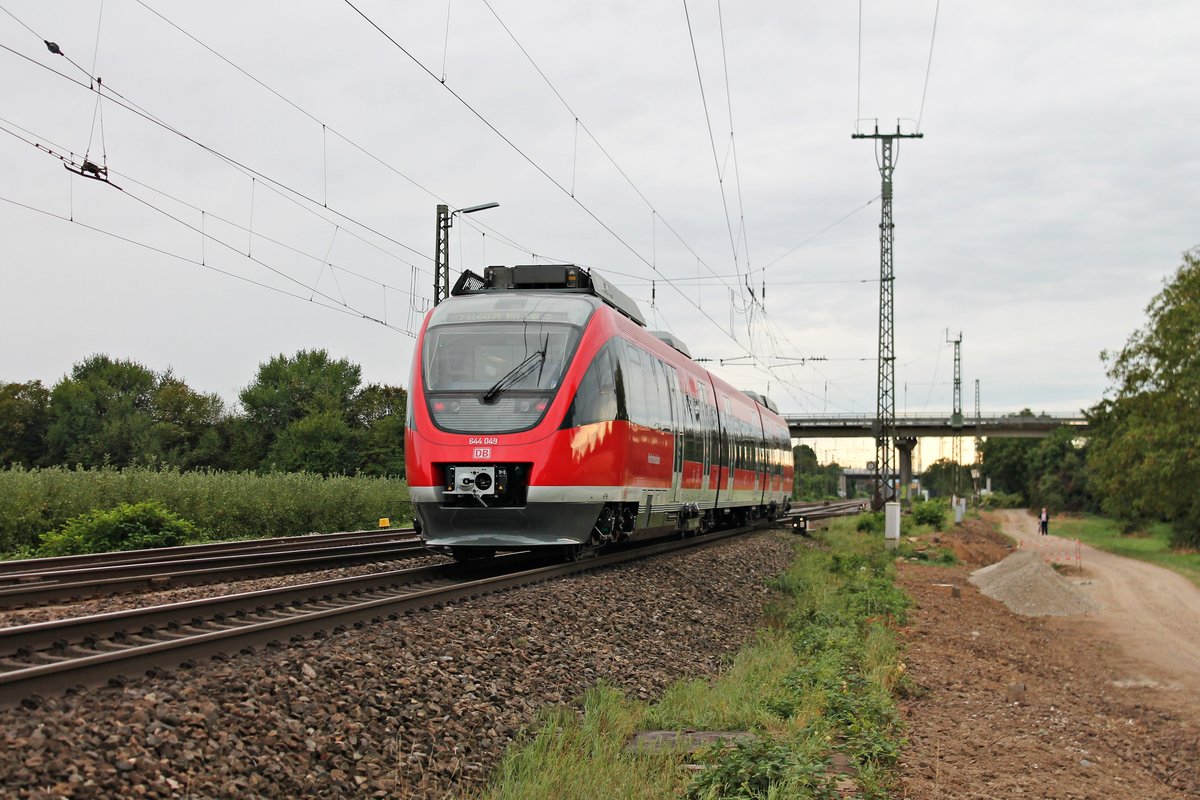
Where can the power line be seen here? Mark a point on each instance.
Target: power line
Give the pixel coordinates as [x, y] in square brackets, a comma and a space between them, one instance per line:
[833, 224]
[539, 168]
[711, 140]
[858, 97]
[337, 307]
[596, 141]
[203, 232]
[744, 236]
[928, 64]
[119, 100]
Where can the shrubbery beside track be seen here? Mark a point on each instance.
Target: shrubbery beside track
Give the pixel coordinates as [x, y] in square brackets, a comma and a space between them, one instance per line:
[222, 505]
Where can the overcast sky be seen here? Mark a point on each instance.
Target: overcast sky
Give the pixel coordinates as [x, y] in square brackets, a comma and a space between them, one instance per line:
[1054, 190]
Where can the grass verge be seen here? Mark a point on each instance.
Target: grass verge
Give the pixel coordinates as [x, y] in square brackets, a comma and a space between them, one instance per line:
[816, 688]
[1152, 544]
[222, 505]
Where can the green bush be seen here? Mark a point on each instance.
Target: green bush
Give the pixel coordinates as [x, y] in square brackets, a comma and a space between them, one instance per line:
[222, 505]
[932, 513]
[126, 527]
[870, 523]
[1002, 500]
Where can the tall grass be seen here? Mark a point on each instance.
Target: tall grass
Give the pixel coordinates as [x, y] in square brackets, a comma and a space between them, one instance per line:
[222, 505]
[820, 679]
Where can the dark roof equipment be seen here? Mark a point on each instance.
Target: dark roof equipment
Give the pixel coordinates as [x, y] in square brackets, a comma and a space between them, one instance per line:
[542, 277]
[671, 340]
[761, 399]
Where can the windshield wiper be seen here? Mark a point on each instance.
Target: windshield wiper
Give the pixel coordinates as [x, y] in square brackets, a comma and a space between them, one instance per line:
[514, 376]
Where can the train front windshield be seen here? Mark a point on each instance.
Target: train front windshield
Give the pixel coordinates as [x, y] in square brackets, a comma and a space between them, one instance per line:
[492, 364]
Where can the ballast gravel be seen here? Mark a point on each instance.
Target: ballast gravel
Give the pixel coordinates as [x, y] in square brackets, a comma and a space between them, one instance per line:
[420, 707]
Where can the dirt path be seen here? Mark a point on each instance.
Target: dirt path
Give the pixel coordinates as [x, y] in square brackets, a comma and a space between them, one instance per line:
[1006, 706]
[1151, 615]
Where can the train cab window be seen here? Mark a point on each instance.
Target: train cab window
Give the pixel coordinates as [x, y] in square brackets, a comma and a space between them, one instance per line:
[494, 363]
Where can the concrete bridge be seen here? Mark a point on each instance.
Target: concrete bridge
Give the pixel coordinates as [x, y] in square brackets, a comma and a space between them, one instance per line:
[910, 427]
[821, 426]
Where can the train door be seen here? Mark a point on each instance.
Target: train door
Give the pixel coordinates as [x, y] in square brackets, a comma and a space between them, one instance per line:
[727, 423]
[761, 466]
[708, 435]
[670, 391]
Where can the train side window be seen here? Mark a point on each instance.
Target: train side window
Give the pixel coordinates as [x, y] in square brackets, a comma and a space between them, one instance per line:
[599, 397]
[654, 399]
[635, 393]
[666, 414]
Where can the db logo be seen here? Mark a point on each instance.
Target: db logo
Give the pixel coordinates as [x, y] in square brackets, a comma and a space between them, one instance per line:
[482, 452]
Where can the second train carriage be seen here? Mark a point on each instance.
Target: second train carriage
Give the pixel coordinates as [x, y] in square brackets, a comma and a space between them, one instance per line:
[544, 414]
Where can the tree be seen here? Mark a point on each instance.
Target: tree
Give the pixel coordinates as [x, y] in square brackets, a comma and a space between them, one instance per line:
[1058, 478]
[381, 411]
[811, 481]
[24, 421]
[321, 443]
[1144, 454]
[288, 389]
[938, 478]
[1007, 462]
[310, 382]
[101, 413]
[187, 425]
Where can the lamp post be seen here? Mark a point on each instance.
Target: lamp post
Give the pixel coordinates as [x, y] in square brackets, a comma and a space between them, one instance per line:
[441, 249]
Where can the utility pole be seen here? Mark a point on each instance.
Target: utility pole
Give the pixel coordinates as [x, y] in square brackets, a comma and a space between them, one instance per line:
[885, 395]
[956, 418]
[441, 255]
[441, 247]
[978, 424]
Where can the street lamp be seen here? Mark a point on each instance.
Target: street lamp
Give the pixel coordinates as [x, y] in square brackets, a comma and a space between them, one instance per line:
[441, 249]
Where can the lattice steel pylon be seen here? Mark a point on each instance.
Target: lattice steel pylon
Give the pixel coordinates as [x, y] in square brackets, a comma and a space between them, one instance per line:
[885, 395]
[441, 255]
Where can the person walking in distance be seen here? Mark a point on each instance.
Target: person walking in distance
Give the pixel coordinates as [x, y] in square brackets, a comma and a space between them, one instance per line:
[1044, 522]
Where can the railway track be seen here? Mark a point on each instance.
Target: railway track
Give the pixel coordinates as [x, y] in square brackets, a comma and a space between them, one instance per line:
[802, 516]
[41, 581]
[50, 657]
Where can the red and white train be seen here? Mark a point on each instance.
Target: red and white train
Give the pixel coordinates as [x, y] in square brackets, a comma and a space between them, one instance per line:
[542, 413]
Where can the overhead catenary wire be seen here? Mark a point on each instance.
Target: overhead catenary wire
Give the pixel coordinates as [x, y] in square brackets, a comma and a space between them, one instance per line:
[330, 129]
[744, 235]
[126, 179]
[283, 189]
[711, 139]
[334, 307]
[928, 64]
[122, 102]
[538, 167]
[582, 125]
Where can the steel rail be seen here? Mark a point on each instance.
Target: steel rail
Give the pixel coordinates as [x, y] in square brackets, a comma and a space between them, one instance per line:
[279, 543]
[107, 580]
[232, 632]
[24, 641]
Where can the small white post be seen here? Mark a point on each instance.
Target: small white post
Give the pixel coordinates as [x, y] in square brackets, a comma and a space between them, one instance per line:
[891, 525]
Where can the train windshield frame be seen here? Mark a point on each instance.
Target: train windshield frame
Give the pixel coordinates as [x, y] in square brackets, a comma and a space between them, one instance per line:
[493, 364]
